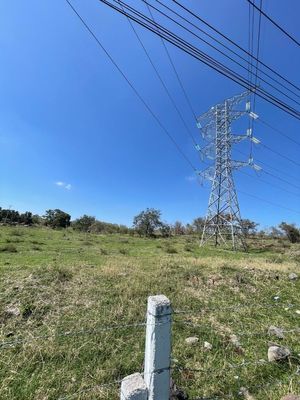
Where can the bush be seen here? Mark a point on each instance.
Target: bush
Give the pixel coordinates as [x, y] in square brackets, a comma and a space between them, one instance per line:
[170, 250]
[188, 247]
[124, 251]
[9, 248]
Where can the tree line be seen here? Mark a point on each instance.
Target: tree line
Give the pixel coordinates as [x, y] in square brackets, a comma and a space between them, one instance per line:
[147, 223]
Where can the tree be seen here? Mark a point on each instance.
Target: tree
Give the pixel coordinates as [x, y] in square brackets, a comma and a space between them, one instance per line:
[249, 227]
[292, 233]
[198, 224]
[178, 228]
[165, 230]
[57, 218]
[26, 218]
[146, 222]
[189, 229]
[83, 223]
[275, 232]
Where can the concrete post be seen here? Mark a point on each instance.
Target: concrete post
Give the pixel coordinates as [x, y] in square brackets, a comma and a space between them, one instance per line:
[133, 387]
[158, 348]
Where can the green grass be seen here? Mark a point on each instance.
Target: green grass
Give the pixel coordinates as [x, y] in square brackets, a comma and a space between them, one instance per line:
[64, 281]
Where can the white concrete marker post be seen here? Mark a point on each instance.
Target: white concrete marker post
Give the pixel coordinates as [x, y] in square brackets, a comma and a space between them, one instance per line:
[133, 387]
[158, 348]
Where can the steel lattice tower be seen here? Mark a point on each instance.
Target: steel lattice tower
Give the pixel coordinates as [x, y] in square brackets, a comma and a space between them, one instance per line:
[223, 219]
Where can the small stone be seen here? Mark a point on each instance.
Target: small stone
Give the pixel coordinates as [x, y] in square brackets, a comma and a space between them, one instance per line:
[298, 312]
[291, 397]
[277, 353]
[245, 393]
[133, 386]
[207, 346]
[293, 276]
[235, 341]
[275, 331]
[13, 311]
[192, 340]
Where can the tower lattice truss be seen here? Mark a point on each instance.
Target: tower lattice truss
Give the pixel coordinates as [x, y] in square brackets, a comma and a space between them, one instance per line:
[223, 225]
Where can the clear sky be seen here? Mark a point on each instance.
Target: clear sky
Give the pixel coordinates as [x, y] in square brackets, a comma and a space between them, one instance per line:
[74, 136]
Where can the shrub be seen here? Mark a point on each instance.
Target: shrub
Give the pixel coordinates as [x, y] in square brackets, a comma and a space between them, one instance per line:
[124, 251]
[9, 248]
[170, 250]
[188, 247]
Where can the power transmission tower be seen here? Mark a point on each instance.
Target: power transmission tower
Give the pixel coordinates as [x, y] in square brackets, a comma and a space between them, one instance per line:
[223, 220]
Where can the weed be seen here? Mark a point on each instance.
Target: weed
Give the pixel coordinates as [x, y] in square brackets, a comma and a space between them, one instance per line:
[188, 248]
[14, 240]
[170, 249]
[124, 251]
[10, 248]
[16, 232]
[37, 248]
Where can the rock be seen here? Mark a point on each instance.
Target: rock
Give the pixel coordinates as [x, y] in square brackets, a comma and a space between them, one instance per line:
[12, 311]
[297, 312]
[235, 341]
[277, 353]
[245, 393]
[207, 346]
[192, 340]
[293, 276]
[275, 331]
[290, 397]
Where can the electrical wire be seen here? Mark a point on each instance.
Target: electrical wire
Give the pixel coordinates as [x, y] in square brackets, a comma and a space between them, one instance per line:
[233, 42]
[275, 23]
[280, 154]
[248, 53]
[226, 55]
[161, 81]
[277, 130]
[175, 70]
[149, 109]
[201, 56]
[132, 86]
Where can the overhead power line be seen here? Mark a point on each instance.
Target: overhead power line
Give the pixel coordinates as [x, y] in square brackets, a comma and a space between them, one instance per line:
[270, 184]
[277, 130]
[269, 202]
[280, 154]
[274, 23]
[234, 43]
[250, 71]
[175, 70]
[199, 55]
[146, 105]
[132, 86]
[248, 53]
[171, 98]
[274, 169]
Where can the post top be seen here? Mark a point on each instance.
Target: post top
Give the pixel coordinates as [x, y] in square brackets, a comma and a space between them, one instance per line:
[159, 305]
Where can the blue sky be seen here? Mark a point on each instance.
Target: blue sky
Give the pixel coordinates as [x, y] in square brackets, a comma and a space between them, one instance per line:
[67, 116]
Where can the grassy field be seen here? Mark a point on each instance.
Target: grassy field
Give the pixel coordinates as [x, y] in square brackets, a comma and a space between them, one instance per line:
[60, 289]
